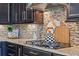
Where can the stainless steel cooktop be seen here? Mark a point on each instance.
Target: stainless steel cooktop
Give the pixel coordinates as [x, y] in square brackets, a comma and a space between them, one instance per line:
[42, 43]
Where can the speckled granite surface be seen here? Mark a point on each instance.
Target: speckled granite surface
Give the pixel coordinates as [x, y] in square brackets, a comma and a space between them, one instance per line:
[70, 51]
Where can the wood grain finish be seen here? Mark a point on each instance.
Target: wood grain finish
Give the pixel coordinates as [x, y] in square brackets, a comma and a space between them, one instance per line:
[62, 33]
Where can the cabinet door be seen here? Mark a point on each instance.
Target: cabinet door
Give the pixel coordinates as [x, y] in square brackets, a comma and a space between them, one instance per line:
[29, 16]
[19, 14]
[0, 49]
[11, 49]
[25, 14]
[4, 49]
[14, 11]
[38, 16]
[4, 13]
[22, 11]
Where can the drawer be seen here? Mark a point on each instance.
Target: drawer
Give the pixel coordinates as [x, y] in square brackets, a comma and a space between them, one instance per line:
[12, 46]
[35, 52]
[11, 53]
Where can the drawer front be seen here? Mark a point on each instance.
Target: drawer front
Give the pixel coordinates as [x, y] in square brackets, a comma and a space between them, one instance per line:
[11, 53]
[35, 52]
[12, 46]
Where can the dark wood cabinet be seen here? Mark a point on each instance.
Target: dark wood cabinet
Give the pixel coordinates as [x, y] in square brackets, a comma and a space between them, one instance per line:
[16, 13]
[4, 13]
[19, 14]
[29, 51]
[29, 16]
[14, 49]
[4, 49]
[10, 49]
[38, 16]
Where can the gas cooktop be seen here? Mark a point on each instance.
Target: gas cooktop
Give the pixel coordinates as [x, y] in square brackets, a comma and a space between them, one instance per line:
[42, 43]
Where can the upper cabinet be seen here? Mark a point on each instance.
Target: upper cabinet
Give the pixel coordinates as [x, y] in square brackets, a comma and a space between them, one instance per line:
[29, 15]
[4, 14]
[19, 13]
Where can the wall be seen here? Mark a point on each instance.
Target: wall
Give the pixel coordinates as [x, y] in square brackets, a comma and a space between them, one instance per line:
[26, 30]
[74, 33]
[73, 26]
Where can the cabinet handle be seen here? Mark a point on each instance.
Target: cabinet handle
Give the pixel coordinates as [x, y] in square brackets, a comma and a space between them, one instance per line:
[19, 50]
[33, 53]
[16, 16]
[25, 54]
[11, 45]
[11, 54]
[24, 15]
[8, 12]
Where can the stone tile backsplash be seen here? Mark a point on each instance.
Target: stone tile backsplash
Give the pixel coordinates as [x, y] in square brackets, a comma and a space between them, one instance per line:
[27, 30]
[73, 26]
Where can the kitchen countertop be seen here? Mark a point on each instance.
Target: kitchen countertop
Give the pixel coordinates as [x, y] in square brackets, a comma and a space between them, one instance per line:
[70, 51]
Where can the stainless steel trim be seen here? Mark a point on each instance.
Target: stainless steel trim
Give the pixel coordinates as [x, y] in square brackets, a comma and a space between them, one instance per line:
[8, 12]
[19, 12]
[24, 54]
[16, 16]
[24, 15]
[19, 51]
[11, 45]
[11, 54]
[33, 53]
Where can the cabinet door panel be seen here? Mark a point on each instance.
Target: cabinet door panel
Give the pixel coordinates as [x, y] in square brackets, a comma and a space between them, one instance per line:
[22, 9]
[14, 12]
[4, 13]
[29, 16]
[19, 14]
[11, 53]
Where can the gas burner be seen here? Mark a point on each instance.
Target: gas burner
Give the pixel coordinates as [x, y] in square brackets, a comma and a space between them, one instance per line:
[43, 44]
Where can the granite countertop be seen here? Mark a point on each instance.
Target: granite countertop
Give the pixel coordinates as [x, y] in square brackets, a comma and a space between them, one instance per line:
[70, 51]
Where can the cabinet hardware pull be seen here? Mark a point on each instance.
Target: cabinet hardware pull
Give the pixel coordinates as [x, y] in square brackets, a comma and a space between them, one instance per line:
[33, 53]
[11, 45]
[24, 15]
[16, 16]
[11, 54]
[19, 51]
